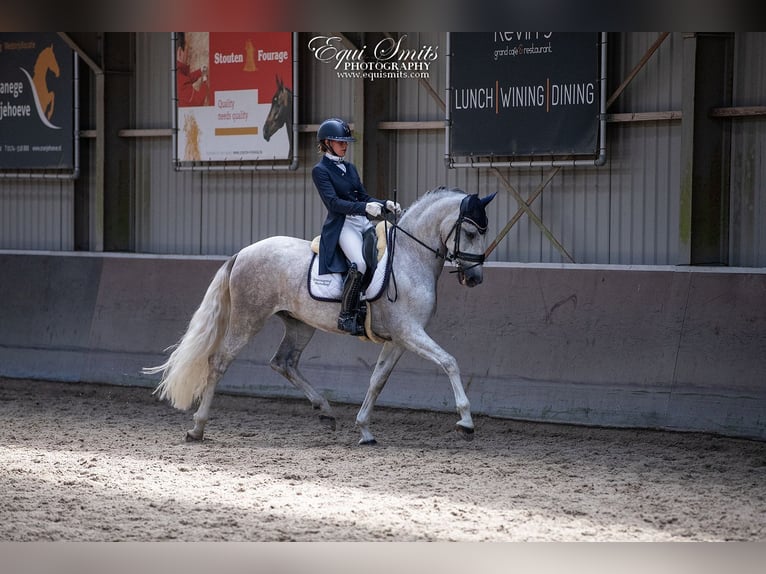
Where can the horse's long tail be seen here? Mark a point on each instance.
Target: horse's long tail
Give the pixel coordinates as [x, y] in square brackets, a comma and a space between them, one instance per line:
[185, 373]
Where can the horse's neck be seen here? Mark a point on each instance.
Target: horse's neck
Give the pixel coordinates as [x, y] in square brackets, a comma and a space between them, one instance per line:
[42, 65]
[428, 227]
[435, 218]
[287, 110]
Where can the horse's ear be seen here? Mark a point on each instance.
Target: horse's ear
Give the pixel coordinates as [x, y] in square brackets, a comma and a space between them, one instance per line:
[485, 200]
[279, 81]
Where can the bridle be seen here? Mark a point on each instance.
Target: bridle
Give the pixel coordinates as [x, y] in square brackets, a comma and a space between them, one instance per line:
[457, 256]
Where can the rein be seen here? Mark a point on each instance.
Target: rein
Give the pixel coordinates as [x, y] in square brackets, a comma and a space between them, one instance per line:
[457, 256]
[396, 227]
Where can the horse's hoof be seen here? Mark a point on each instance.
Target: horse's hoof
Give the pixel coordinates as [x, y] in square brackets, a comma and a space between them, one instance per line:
[371, 442]
[328, 421]
[465, 433]
[191, 438]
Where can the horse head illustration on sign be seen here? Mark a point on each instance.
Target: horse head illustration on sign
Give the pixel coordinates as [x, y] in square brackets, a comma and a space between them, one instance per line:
[44, 98]
[280, 114]
[46, 62]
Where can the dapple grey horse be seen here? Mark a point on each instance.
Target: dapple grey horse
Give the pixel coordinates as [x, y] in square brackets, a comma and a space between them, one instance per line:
[269, 278]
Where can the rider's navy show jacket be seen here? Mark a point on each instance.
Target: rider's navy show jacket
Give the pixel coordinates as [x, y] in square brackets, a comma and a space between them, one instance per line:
[342, 194]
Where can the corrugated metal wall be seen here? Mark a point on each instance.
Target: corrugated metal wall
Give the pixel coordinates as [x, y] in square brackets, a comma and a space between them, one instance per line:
[37, 214]
[219, 213]
[626, 212]
[747, 243]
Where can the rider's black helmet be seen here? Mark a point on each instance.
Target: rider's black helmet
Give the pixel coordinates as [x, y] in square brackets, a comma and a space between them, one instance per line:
[335, 129]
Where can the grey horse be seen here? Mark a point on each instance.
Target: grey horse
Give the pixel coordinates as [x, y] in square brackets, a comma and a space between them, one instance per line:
[269, 278]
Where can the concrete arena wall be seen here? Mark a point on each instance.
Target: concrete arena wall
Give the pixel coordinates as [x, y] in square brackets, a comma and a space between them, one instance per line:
[670, 348]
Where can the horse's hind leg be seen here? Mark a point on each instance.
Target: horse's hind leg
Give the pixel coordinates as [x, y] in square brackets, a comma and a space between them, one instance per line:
[203, 412]
[285, 362]
[237, 337]
[219, 362]
[387, 360]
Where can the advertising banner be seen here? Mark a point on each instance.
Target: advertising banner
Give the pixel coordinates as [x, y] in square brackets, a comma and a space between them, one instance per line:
[234, 96]
[36, 102]
[521, 94]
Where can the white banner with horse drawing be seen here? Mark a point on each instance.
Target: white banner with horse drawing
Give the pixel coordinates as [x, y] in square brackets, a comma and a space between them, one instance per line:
[36, 102]
[234, 96]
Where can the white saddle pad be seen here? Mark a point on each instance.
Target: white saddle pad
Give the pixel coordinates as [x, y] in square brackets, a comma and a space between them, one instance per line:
[329, 287]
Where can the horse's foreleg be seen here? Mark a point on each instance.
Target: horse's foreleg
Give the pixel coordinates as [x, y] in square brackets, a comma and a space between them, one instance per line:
[425, 347]
[387, 360]
[285, 362]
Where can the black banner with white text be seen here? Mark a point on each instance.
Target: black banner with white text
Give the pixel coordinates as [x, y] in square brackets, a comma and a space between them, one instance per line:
[36, 102]
[523, 94]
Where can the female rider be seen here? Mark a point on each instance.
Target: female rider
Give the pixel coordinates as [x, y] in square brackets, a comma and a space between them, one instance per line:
[348, 205]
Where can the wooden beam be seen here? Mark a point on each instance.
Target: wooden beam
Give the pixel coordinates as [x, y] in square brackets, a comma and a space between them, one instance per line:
[424, 125]
[738, 112]
[145, 133]
[521, 211]
[621, 88]
[644, 117]
[531, 214]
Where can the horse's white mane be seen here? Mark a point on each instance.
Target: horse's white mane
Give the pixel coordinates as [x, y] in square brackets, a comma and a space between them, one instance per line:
[440, 191]
[432, 194]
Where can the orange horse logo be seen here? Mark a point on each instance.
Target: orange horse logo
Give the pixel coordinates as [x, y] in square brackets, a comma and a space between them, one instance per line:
[46, 61]
[44, 98]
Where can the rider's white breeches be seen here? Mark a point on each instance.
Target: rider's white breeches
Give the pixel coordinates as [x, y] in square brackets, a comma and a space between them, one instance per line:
[351, 239]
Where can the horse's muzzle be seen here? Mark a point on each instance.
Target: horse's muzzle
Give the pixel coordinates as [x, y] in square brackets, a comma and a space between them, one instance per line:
[471, 277]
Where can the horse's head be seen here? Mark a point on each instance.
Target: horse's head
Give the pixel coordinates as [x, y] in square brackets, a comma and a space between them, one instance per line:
[468, 239]
[48, 58]
[279, 114]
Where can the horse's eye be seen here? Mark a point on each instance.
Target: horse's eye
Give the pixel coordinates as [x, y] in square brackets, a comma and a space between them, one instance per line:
[470, 235]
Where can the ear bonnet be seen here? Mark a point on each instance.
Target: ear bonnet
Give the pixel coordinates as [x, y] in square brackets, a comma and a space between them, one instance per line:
[472, 209]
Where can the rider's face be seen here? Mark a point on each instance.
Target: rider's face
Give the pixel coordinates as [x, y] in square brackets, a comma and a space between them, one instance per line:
[338, 148]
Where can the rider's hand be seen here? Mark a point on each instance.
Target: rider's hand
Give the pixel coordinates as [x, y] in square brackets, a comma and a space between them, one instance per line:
[373, 209]
[393, 207]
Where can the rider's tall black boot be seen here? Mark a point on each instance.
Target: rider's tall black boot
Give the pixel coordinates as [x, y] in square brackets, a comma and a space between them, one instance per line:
[348, 320]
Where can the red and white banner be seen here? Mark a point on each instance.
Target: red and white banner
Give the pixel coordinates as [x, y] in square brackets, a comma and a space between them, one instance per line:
[234, 96]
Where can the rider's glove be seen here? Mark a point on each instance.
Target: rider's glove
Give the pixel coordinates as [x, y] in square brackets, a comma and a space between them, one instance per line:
[393, 207]
[373, 209]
